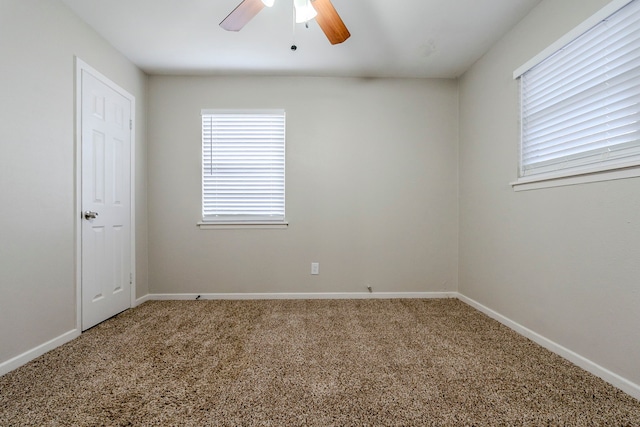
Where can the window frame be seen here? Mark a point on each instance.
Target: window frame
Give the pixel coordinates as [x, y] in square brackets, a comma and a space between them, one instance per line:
[241, 221]
[576, 174]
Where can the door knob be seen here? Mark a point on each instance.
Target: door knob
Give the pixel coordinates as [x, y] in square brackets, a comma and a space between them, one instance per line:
[90, 215]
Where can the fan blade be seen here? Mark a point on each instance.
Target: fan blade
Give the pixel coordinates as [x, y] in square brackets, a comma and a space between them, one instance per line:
[242, 14]
[330, 22]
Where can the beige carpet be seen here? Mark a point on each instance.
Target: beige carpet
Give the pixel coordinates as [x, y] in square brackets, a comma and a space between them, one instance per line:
[319, 363]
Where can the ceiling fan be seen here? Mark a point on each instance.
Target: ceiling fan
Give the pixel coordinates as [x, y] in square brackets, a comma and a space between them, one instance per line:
[322, 10]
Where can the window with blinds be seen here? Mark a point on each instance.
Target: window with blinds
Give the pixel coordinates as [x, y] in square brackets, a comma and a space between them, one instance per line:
[243, 166]
[580, 107]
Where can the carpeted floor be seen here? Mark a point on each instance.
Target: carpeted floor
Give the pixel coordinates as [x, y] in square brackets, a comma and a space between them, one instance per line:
[317, 363]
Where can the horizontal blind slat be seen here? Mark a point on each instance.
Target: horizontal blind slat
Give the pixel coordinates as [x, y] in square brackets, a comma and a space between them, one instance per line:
[612, 122]
[613, 72]
[611, 93]
[577, 59]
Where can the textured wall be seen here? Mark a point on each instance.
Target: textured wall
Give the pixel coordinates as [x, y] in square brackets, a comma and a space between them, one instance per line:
[371, 187]
[563, 261]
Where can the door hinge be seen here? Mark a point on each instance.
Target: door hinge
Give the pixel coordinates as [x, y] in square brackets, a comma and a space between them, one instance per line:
[130, 124]
[131, 278]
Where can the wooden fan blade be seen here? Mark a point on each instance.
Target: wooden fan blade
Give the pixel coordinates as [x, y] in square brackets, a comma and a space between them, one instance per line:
[242, 14]
[330, 22]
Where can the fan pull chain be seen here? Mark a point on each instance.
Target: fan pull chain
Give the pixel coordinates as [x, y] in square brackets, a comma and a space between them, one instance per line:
[294, 47]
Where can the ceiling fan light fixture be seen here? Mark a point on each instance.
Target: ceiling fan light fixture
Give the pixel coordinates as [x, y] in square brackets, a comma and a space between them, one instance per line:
[322, 11]
[304, 11]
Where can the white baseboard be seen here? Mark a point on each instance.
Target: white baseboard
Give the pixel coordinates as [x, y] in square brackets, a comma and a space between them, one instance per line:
[38, 351]
[612, 378]
[303, 295]
[142, 300]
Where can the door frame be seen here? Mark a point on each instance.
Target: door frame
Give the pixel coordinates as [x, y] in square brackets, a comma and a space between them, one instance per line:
[81, 66]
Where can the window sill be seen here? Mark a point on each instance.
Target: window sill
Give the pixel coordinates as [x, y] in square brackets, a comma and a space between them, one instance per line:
[575, 178]
[230, 225]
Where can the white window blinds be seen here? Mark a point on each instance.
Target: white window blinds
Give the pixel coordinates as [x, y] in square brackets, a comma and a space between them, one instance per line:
[581, 105]
[243, 166]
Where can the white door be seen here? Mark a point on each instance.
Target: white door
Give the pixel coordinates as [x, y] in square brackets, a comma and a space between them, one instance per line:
[105, 201]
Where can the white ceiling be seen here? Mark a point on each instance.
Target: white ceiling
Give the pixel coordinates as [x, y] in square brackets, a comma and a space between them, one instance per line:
[389, 38]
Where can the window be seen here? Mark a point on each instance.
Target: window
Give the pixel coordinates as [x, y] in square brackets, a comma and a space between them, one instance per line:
[580, 104]
[243, 167]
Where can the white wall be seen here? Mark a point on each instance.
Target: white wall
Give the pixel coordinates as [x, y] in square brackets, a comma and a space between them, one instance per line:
[371, 187]
[38, 41]
[563, 262]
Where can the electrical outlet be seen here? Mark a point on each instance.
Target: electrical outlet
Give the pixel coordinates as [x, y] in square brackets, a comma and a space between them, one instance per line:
[315, 268]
